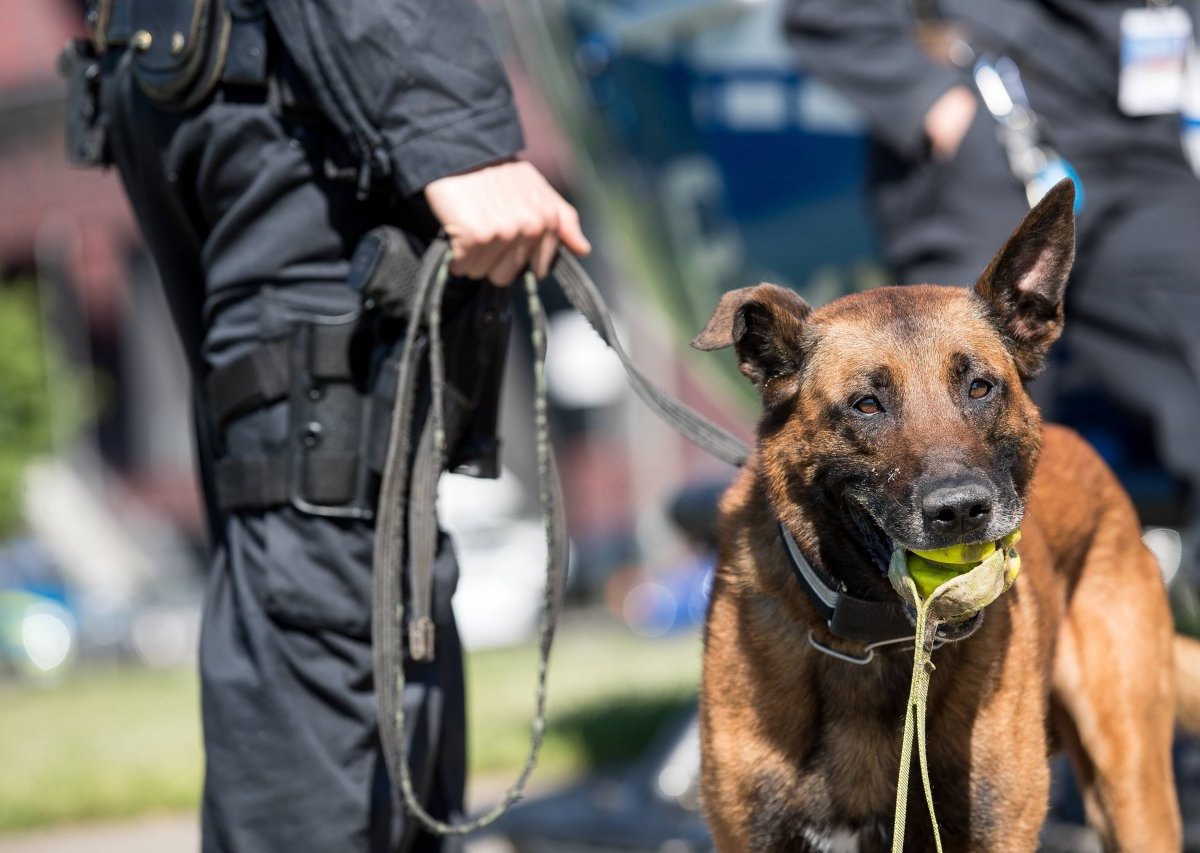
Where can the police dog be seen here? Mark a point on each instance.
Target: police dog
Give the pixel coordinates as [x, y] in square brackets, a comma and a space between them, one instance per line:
[899, 415]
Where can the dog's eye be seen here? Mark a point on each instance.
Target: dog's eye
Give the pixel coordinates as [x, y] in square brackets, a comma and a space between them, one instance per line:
[868, 405]
[979, 389]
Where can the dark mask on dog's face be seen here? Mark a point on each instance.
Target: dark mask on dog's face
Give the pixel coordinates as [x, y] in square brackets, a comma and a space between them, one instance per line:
[907, 404]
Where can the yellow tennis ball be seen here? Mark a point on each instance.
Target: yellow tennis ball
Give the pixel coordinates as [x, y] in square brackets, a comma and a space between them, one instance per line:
[1014, 566]
[928, 575]
[959, 555]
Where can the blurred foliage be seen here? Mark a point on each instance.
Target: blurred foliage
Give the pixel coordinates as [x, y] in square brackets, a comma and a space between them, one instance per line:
[122, 742]
[24, 400]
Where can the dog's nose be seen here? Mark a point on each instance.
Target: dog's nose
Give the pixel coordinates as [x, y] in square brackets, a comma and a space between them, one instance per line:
[959, 509]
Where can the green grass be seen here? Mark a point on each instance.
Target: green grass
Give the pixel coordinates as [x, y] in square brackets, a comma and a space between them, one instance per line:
[115, 742]
[608, 692]
[104, 744]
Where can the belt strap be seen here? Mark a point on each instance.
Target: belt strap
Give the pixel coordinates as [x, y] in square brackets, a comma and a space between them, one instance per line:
[257, 481]
[264, 376]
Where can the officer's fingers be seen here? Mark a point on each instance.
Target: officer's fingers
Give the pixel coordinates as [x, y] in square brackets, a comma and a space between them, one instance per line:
[545, 237]
[470, 256]
[486, 258]
[531, 222]
[473, 249]
[462, 250]
[510, 264]
[569, 230]
[543, 259]
[504, 221]
[478, 236]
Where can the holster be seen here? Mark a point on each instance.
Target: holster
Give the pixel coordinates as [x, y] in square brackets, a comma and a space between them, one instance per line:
[477, 321]
[338, 380]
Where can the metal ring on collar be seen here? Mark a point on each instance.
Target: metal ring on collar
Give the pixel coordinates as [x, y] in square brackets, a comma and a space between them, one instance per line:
[854, 659]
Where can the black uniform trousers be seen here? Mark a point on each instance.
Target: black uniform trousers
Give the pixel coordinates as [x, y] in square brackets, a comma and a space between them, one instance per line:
[250, 237]
[1133, 302]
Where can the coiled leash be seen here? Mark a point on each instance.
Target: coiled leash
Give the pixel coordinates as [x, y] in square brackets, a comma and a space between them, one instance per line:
[402, 500]
[954, 600]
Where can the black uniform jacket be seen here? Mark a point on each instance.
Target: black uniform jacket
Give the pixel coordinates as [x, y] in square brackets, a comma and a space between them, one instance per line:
[416, 85]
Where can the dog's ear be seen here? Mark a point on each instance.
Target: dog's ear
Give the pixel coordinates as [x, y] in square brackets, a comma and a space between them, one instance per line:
[1025, 282]
[765, 324]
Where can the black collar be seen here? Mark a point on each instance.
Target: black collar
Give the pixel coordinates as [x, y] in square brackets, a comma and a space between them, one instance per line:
[858, 619]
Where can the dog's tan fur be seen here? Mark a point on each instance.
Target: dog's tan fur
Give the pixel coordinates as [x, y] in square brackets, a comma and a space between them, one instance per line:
[798, 747]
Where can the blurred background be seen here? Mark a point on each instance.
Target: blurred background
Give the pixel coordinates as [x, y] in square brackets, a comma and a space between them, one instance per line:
[702, 159]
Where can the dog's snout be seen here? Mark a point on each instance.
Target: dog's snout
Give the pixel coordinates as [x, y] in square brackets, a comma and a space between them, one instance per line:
[958, 509]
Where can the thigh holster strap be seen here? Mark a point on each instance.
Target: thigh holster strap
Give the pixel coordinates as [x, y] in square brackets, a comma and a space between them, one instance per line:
[324, 466]
[325, 479]
[265, 375]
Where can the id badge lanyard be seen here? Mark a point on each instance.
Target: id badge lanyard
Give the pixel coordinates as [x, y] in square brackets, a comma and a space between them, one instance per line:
[1032, 160]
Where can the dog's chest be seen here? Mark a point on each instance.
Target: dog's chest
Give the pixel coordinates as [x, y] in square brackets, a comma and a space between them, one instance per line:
[841, 798]
[840, 781]
[858, 728]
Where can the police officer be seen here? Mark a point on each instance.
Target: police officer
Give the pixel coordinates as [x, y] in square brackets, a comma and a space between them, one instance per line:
[258, 141]
[945, 191]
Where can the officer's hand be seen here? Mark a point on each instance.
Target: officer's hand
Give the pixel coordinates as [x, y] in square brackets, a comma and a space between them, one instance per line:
[502, 218]
[947, 121]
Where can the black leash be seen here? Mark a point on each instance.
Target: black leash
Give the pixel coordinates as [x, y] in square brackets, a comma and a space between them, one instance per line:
[413, 501]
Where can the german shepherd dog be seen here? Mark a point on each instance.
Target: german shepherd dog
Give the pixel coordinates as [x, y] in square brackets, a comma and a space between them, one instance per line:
[899, 417]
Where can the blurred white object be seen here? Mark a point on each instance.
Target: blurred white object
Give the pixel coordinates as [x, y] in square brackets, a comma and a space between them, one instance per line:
[1190, 111]
[38, 636]
[679, 776]
[48, 635]
[84, 536]
[581, 371]
[1167, 547]
[166, 636]
[501, 553]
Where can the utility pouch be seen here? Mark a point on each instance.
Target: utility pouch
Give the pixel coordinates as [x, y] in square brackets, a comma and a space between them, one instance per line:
[87, 143]
[476, 322]
[179, 48]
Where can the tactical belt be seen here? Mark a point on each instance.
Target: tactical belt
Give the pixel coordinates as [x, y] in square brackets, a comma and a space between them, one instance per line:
[178, 51]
